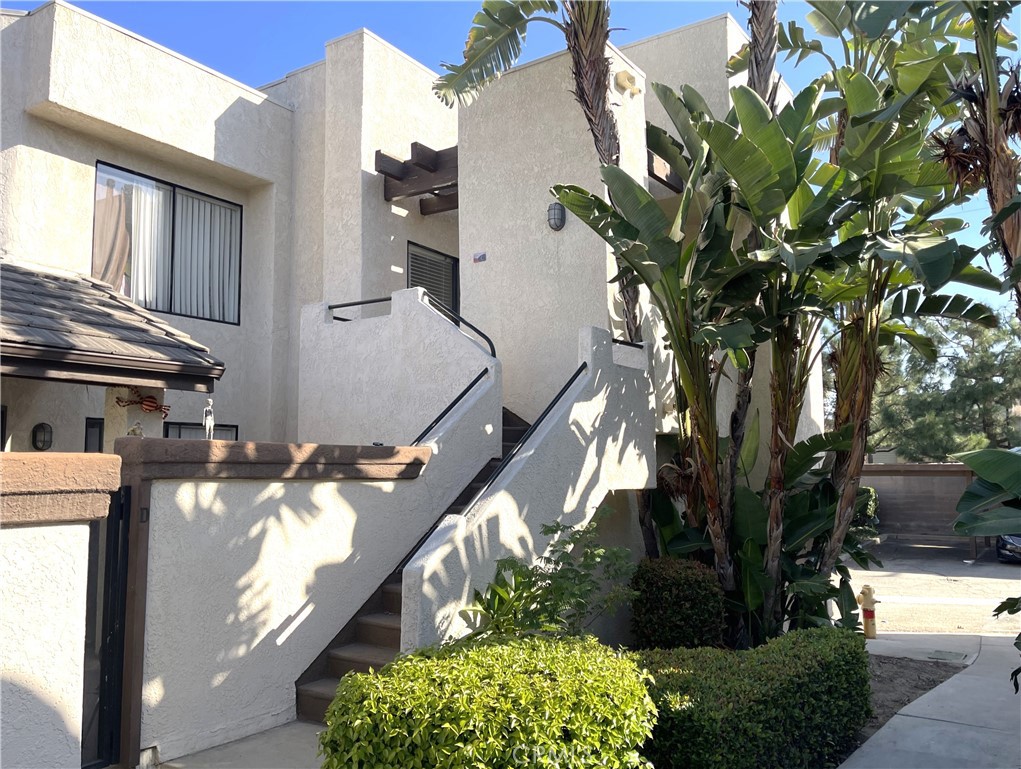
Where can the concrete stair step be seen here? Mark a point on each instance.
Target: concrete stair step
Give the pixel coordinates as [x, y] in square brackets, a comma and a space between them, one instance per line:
[379, 630]
[359, 658]
[314, 697]
[392, 597]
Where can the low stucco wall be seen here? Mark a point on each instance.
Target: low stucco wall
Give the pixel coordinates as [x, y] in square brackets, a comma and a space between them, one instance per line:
[917, 499]
[598, 438]
[46, 504]
[249, 580]
[382, 379]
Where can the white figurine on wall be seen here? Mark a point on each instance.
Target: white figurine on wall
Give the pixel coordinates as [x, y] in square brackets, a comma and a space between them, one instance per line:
[135, 430]
[208, 421]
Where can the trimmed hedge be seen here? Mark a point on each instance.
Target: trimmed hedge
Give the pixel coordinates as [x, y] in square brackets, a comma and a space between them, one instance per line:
[798, 701]
[535, 701]
[676, 603]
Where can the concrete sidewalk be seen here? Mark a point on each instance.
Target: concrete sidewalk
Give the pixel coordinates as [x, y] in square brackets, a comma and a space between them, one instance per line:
[972, 720]
[291, 746]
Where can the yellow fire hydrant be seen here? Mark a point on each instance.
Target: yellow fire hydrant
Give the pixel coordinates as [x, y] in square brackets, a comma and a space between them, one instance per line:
[867, 601]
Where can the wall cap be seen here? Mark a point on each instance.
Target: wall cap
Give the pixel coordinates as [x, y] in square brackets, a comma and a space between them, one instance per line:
[161, 458]
[53, 488]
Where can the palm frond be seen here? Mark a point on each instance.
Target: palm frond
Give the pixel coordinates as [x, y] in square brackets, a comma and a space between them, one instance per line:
[493, 46]
[826, 135]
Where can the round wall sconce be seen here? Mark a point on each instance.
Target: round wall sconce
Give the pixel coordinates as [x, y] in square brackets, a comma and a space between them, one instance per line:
[42, 437]
[556, 216]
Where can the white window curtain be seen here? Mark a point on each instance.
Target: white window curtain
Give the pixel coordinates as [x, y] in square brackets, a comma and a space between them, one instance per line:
[207, 265]
[149, 268]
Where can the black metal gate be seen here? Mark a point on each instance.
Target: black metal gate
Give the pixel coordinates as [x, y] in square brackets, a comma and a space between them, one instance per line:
[104, 661]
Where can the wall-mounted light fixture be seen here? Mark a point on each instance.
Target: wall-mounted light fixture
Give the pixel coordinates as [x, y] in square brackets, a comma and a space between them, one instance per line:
[556, 216]
[42, 437]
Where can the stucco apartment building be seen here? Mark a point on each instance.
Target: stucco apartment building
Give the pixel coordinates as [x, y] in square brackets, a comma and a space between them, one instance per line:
[168, 235]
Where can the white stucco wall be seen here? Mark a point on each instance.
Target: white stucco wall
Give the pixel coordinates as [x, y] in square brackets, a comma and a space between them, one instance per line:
[43, 579]
[537, 287]
[250, 580]
[62, 406]
[598, 438]
[171, 119]
[384, 379]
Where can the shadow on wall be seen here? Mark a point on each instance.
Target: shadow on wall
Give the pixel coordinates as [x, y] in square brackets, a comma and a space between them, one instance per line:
[27, 716]
[249, 582]
[561, 475]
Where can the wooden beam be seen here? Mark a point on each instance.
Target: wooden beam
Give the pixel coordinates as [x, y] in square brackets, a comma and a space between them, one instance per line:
[418, 181]
[437, 204]
[390, 167]
[660, 170]
[424, 157]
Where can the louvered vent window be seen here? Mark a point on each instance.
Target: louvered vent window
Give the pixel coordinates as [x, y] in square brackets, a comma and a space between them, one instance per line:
[436, 273]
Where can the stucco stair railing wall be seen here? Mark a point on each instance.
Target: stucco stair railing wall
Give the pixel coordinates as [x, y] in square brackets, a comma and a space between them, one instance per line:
[597, 438]
[383, 379]
[250, 579]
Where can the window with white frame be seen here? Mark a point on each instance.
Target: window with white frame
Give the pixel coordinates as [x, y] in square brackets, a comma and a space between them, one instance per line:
[168, 248]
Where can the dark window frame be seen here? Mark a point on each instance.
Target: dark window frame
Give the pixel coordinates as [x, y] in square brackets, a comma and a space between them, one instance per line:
[173, 218]
[198, 425]
[456, 270]
[94, 422]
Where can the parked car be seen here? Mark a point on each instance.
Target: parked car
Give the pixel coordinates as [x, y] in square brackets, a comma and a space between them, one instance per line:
[1008, 548]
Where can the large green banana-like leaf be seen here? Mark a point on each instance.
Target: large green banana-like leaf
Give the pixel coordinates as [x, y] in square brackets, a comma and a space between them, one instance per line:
[923, 345]
[758, 124]
[798, 120]
[682, 121]
[635, 204]
[930, 258]
[751, 169]
[493, 46]
[874, 18]
[999, 466]
[750, 448]
[749, 516]
[914, 304]
[597, 214]
[806, 453]
[829, 17]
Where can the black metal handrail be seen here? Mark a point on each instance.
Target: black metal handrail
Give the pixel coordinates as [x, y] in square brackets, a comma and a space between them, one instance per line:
[626, 343]
[452, 316]
[450, 406]
[524, 438]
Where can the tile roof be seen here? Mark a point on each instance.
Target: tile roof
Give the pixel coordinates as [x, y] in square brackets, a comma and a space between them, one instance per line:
[46, 315]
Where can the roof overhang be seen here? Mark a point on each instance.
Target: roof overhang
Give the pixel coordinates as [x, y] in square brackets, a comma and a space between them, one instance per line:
[68, 327]
[107, 370]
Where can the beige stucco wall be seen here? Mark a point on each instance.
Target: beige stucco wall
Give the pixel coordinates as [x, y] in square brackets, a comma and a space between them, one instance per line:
[171, 119]
[598, 438]
[384, 379]
[43, 579]
[63, 406]
[248, 581]
[537, 287]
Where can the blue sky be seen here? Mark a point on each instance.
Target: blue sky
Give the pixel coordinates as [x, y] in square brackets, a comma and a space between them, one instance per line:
[259, 42]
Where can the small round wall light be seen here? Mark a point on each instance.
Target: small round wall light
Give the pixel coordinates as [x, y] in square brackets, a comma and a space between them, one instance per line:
[556, 216]
[42, 437]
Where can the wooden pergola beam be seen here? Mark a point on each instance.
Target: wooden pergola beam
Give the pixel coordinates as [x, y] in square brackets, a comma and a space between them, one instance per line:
[424, 157]
[390, 167]
[421, 181]
[660, 170]
[437, 204]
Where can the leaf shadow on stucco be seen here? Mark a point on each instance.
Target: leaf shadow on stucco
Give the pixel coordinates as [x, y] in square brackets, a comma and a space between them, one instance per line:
[28, 714]
[219, 580]
[569, 496]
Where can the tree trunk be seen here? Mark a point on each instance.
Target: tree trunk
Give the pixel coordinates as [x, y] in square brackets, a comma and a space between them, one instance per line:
[762, 52]
[587, 33]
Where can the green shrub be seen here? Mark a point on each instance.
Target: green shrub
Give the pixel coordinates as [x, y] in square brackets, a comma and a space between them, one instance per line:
[866, 509]
[798, 701]
[534, 701]
[676, 603]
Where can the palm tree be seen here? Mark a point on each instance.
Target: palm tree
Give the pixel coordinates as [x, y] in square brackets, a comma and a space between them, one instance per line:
[978, 152]
[494, 45]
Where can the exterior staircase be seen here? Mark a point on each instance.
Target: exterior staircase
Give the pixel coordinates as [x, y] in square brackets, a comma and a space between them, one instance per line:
[373, 636]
